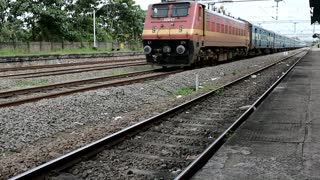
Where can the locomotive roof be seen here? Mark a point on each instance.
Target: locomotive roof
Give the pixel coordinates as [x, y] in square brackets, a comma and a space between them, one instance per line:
[208, 10]
[225, 16]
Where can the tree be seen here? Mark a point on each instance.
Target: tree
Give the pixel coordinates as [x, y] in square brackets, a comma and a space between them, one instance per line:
[129, 19]
[69, 20]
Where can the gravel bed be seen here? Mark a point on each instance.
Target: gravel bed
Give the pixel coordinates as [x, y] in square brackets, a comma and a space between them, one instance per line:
[31, 134]
[12, 84]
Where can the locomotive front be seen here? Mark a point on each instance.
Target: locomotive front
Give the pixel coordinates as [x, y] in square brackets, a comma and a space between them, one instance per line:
[168, 34]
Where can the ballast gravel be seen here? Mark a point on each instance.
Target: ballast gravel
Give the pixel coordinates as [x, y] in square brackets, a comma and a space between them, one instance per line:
[31, 134]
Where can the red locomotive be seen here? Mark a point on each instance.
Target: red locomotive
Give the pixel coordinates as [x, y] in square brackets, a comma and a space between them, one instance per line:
[185, 33]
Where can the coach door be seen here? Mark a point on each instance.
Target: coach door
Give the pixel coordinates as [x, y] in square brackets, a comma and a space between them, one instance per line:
[256, 37]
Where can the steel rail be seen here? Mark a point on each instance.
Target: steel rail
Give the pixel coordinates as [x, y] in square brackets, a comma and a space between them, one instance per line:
[77, 155]
[72, 71]
[82, 89]
[66, 64]
[50, 57]
[67, 84]
[197, 164]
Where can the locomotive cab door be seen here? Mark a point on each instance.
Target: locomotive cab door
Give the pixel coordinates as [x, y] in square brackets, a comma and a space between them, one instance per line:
[201, 24]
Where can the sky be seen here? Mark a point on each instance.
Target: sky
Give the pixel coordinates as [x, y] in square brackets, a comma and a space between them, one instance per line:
[293, 18]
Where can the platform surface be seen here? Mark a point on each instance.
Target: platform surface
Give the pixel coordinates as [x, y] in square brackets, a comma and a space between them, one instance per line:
[281, 139]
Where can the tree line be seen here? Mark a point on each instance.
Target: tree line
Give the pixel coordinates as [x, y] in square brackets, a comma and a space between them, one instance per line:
[69, 20]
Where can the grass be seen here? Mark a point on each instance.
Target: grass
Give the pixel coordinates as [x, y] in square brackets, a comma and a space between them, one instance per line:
[209, 87]
[234, 73]
[119, 72]
[230, 134]
[20, 52]
[220, 92]
[24, 83]
[185, 91]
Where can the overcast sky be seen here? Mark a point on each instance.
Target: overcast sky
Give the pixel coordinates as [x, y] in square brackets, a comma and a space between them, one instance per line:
[266, 11]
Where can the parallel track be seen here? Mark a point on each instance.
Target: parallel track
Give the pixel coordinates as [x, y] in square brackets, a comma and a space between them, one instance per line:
[66, 65]
[73, 70]
[12, 98]
[205, 156]
[160, 147]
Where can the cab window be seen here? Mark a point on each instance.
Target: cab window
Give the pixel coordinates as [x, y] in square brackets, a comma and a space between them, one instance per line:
[180, 10]
[160, 11]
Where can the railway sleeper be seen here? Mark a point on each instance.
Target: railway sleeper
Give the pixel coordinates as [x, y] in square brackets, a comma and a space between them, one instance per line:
[174, 139]
[185, 118]
[182, 131]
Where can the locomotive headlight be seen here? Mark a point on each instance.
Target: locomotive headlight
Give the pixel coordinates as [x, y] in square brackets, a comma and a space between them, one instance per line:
[166, 49]
[147, 50]
[180, 49]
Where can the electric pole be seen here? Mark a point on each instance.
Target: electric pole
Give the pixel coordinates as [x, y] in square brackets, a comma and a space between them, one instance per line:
[94, 29]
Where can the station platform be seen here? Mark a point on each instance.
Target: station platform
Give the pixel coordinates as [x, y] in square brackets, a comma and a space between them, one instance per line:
[281, 139]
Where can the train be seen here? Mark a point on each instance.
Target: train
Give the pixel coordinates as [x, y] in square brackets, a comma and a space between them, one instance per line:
[186, 33]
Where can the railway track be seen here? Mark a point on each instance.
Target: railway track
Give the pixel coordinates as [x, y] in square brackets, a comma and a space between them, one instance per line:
[173, 144]
[20, 96]
[67, 65]
[73, 70]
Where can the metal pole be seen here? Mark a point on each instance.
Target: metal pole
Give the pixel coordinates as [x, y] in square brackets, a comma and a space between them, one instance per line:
[94, 29]
[197, 82]
[277, 10]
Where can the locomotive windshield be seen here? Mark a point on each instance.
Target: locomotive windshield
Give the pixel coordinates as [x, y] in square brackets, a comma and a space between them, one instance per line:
[180, 10]
[160, 11]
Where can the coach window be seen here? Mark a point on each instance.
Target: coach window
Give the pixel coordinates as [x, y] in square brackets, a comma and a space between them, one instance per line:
[180, 10]
[160, 11]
